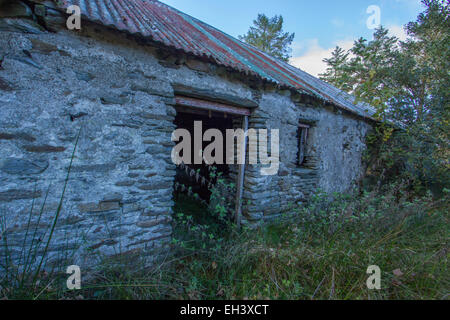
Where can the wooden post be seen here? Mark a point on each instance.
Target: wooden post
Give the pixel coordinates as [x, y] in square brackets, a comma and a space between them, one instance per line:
[241, 175]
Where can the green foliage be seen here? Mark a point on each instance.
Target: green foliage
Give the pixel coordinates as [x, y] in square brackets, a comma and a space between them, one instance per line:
[267, 34]
[336, 72]
[205, 221]
[222, 197]
[322, 253]
[407, 82]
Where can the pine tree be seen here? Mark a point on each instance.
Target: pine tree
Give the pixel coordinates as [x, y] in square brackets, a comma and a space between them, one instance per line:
[267, 34]
[336, 73]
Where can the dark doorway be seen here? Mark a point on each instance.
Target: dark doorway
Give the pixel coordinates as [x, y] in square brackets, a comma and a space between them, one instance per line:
[210, 120]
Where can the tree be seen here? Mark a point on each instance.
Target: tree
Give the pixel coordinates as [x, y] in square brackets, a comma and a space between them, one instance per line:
[267, 34]
[336, 72]
[408, 84]
[429, 54]
[429, 49]
[368, 73]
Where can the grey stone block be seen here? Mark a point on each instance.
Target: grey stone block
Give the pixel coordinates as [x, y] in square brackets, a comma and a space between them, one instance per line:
[15, 194]
[23, 167]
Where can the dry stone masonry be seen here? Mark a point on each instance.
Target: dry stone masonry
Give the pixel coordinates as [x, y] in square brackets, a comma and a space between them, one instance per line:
[113, 93]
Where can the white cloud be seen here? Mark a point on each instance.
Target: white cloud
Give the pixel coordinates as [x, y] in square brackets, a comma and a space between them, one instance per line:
[312, 60]
[398, 31]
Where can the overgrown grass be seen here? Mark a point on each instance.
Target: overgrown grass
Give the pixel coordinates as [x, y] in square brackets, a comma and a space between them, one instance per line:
[323, 253]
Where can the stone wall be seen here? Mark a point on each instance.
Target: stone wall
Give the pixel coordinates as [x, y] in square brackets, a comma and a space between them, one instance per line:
[335, 147]
[113, 94]
[119, 195]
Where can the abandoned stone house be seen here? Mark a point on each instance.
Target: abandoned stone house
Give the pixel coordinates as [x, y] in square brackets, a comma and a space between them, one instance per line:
[104, 101]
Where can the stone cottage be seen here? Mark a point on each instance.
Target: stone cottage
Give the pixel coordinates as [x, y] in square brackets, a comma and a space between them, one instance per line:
[104, 100]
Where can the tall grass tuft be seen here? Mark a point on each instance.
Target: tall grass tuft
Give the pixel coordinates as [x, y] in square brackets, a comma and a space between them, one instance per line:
[25, 278]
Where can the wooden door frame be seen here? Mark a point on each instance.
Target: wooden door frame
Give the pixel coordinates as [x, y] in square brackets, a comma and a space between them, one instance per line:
[192, 104]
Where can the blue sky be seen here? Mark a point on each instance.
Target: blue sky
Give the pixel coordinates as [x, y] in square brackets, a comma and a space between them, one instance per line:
[319, 25]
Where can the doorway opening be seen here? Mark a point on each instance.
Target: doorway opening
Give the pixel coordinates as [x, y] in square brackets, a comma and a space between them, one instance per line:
[199, 179]
[218, 187]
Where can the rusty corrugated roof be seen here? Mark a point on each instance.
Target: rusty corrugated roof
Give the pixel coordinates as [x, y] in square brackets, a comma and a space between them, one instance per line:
[173, 28]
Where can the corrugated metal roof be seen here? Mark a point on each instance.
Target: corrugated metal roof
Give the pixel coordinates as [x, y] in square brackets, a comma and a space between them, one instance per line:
[173, 28]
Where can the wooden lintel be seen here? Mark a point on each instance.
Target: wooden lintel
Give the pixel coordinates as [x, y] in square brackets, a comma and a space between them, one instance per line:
[213, 106]
[213, 96]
